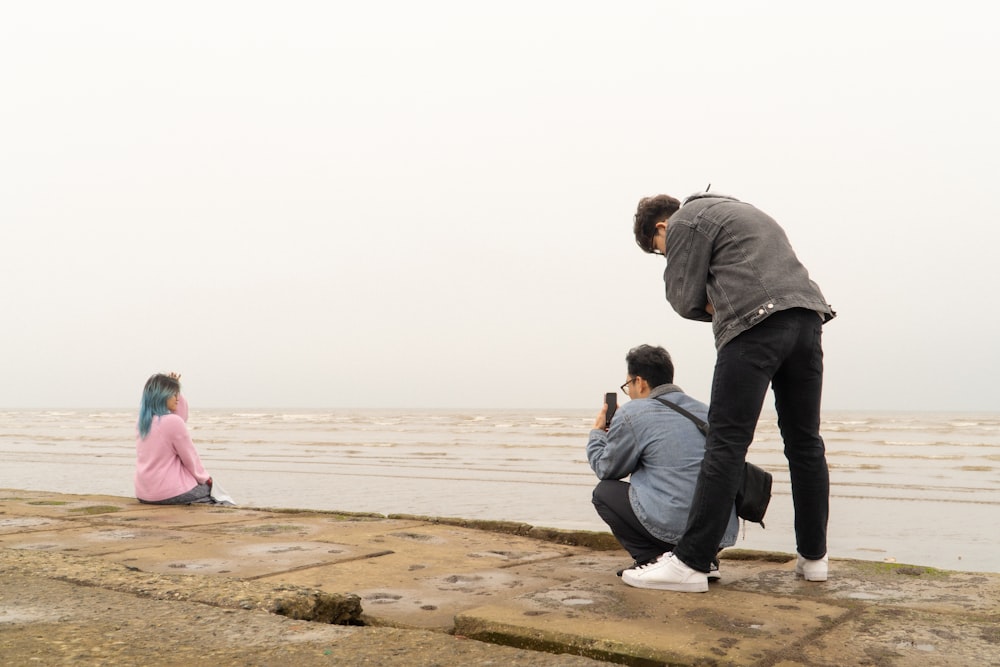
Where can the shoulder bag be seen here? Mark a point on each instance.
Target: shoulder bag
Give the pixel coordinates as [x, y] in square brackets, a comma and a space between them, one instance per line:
[754, 492]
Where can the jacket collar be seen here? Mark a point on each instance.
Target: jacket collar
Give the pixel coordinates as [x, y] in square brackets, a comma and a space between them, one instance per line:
[662, 389]
[707, 195]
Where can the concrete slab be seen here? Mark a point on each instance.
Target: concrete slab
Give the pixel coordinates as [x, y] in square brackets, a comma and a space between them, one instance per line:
[111, 509]
[179, 516]
[59, 506]
[315, 527]
[901, 638]
[20, 524]
[885, 584]
[431, 572]
[93, 540]
[741, 632]
[498, 587]
[240, 558]
[44, 621]
[636, 625]
[242, 554]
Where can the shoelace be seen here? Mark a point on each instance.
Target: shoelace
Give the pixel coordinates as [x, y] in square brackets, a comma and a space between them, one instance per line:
[653, 562]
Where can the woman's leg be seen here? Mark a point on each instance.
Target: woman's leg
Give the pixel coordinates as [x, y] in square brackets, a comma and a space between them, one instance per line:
[199, 494]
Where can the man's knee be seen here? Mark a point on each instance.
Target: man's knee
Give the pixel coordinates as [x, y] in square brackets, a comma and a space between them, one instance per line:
[604, 492]
[598, 496]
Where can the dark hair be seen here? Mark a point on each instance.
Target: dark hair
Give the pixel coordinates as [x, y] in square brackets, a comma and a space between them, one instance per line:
[650, 211]
[651, 363]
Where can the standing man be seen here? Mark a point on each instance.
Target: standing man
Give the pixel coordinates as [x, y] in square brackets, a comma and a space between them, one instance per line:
[661, 450]
[731, 264]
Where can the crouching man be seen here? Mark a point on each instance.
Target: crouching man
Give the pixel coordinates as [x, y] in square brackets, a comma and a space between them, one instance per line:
[661, 450]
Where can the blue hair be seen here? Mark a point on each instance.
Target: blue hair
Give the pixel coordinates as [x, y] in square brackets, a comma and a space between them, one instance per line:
[154, 400]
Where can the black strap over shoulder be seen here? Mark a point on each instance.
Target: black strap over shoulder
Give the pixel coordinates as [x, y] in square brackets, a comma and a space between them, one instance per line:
[754, 493]
[700, 423]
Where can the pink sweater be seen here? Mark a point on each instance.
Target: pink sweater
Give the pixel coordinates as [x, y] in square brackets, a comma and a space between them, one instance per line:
[166, 462]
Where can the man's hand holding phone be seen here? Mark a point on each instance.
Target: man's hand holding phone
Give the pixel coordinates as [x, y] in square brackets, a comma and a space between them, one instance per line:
[603, 420]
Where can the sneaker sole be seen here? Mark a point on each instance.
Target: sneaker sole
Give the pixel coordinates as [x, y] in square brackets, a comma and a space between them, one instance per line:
[692, 587]
[814, 577]
[817, 573]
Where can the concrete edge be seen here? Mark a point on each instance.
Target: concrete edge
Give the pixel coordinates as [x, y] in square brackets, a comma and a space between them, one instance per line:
[543, 641]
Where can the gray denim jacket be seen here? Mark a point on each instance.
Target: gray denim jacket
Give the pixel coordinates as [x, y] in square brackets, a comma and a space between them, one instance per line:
[662, 451]
[730, 254]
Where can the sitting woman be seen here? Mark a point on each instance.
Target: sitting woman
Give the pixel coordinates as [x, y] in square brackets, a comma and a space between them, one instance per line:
[168, 470]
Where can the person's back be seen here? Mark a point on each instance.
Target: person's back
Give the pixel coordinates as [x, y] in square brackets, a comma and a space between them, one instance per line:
[749, 267]
[168, 469]
[166, 458]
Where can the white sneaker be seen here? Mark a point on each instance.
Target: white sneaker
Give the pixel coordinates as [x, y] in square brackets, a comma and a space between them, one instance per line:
[713, 572]
[667, 573]
[812, 570]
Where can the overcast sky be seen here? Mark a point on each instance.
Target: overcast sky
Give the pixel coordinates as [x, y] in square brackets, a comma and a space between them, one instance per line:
[429, 204]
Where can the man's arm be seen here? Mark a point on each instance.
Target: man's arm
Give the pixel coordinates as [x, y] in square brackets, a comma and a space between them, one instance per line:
[614, 454]
[689, 257]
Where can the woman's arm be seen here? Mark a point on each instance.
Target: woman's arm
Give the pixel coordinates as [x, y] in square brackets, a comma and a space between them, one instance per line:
[182, 407]
[185, 450]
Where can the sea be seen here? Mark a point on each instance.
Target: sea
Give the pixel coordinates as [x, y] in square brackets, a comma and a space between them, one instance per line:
[906, 487]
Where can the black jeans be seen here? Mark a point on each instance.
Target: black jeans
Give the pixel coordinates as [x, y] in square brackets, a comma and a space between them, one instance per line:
[612, 504]
[784, 351]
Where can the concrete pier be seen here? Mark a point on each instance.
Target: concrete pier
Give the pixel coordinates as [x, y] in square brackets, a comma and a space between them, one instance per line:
[99, 580]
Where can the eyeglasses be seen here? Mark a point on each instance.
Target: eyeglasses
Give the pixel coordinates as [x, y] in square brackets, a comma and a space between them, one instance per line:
[626, 386]
[652, 243]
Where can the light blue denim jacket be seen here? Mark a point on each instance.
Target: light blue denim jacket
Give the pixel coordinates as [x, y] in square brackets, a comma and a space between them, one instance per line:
[730, 254]
[662, 451]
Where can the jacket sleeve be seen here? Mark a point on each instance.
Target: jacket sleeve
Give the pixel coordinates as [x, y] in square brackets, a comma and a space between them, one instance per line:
[614, 454]
[689, 257]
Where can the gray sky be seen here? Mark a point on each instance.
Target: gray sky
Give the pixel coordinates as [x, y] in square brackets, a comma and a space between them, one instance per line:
[400, 204]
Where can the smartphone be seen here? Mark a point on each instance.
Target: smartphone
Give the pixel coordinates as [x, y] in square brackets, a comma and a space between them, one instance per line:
[611, 398]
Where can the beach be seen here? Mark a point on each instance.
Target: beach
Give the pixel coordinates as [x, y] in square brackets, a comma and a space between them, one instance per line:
[918, 488]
